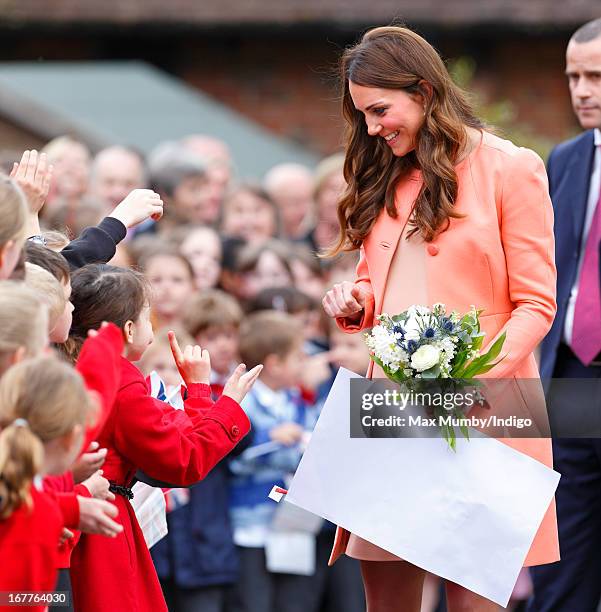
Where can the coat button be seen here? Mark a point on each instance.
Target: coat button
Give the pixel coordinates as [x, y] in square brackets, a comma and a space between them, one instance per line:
[433, 249]
[235, 431]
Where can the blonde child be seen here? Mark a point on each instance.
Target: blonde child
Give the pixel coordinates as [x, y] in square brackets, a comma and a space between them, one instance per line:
[44, 407]
[23, 335]
[56, 298]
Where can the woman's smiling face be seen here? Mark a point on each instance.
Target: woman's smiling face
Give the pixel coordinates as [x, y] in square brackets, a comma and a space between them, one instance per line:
[391, 114]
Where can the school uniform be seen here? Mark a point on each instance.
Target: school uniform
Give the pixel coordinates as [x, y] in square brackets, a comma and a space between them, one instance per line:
[29, 546]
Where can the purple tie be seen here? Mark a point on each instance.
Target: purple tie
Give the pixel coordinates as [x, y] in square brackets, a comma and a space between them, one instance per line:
[586, 333]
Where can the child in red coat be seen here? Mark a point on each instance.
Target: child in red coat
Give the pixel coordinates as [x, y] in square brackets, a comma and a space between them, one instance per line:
[175, 446]
[44, 407]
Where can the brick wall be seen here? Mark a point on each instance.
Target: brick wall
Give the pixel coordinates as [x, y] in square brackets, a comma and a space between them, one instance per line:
[290, 86]
[282, 78]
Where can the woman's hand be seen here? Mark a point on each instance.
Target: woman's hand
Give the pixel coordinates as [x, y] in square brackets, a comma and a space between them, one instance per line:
[239, 384]
[344, 300]
[194, 364]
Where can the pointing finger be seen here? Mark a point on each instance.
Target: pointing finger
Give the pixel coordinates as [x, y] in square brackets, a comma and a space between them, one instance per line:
[175, 349]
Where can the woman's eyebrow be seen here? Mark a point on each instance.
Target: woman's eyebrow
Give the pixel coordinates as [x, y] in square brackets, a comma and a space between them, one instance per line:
[379, 103]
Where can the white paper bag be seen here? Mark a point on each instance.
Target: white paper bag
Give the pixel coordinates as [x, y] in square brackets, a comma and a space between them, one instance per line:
[468, 516]
[149, 505]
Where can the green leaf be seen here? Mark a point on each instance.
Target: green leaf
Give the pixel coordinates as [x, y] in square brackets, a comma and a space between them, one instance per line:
[433, 372]
[495, 350]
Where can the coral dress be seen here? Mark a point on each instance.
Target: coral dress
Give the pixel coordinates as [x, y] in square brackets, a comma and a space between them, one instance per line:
[498, 257]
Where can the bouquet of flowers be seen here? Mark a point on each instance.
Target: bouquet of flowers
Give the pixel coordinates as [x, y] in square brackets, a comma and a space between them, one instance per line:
[425, 343]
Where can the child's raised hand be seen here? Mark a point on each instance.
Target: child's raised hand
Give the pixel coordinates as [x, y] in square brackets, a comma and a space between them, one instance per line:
[33, 175]
[239, 384]
[194, 364]
[138, 205]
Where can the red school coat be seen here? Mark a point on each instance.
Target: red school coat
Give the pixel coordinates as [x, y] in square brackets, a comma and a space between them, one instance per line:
[29, 547]
[117, 574]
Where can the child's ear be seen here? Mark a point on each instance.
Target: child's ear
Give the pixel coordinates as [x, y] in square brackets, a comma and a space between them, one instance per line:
[271, 360]
[75, 436]
[128, 331]
[18, 355]
[4, 251]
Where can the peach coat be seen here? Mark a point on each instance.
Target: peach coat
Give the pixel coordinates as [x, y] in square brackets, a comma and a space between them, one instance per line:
[498, 257]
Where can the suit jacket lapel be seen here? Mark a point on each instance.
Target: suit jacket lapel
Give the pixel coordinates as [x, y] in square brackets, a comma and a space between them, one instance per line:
[578, 174]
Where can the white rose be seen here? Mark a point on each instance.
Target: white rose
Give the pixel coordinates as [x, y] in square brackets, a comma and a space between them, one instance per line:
[425, 357]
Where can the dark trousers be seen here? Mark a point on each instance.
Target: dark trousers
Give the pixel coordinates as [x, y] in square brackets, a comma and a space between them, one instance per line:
[203, 599]
[63, 585]
[340, 586]
[574, 583]
[330, 589]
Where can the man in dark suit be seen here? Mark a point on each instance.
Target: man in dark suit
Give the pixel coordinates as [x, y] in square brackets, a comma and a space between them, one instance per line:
[572, 348]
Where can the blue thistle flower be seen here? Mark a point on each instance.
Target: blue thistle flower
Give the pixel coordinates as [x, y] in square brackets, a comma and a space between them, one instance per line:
[397, 328]
[449, 326]
[429, 333]
[412, 346]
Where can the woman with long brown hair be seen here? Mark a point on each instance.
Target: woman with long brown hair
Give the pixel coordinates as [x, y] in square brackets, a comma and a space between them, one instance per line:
[441, 211]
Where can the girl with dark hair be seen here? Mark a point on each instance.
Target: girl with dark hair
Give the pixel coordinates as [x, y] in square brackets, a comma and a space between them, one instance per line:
[441, 211]
[142, 433]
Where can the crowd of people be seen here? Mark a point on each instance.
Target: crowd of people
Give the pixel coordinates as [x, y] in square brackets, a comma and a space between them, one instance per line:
[169, 334]
[119, 253]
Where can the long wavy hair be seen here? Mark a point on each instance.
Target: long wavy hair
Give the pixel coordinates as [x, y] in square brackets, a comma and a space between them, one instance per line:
[394, 57]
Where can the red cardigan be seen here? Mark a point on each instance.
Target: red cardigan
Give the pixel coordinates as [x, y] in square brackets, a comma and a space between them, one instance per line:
[29, 547]
[117, 574]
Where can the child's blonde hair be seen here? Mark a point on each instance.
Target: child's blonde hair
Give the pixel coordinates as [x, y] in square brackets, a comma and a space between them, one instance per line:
[48, 289]
[23, 321]
[13, 211]
[41, 400]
